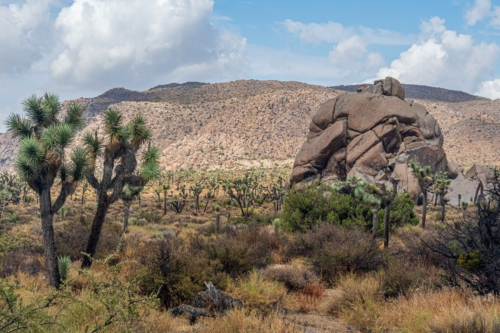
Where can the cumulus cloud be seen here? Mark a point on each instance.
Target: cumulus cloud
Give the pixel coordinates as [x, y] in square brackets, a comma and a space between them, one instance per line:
[495, 21]
[478, 12]
[333, 32]
[449, 60]
[490, 89]
[114, 42]
[26, 34]
[352, 56]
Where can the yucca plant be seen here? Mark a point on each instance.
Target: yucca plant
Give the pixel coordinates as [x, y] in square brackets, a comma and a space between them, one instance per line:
[129, 193]
[64, 263]
[424, 178]
[118, 152]
[43, 158]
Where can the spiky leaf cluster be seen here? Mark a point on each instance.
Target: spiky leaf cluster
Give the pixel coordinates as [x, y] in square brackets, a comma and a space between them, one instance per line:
[44, 140]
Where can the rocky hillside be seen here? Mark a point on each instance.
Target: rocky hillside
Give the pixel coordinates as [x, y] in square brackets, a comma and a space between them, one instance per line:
[415, 91]
[244, 123]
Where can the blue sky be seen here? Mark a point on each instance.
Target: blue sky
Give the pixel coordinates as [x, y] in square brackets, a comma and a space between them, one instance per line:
[80, 48]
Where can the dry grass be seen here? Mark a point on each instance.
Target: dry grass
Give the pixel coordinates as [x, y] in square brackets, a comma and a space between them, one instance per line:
[241, 321]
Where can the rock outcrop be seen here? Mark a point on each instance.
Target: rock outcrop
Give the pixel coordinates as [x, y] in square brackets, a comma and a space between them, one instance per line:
[369, 135]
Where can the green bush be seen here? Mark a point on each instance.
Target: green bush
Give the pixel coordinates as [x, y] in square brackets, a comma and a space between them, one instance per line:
[401, 214]
[307, 207]
[149, 215]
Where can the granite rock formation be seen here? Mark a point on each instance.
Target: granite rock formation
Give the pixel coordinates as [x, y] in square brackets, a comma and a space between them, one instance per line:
[371, 135]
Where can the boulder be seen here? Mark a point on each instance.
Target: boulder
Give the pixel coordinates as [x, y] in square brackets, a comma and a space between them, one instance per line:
[465, 187]
[389, 87]
[369, 134]
[324, 116]
[365, 111]
[364, 88]
[332, 139]
[360, 145]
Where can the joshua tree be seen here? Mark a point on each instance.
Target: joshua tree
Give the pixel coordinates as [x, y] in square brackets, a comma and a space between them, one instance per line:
[387, 200]
[165, 188]
[424, 178]
[196, 189]
[243, 191]
[441, 185]
[179, 202]
[43, 156]
[129, 193]
[208, 196]
[123, 143]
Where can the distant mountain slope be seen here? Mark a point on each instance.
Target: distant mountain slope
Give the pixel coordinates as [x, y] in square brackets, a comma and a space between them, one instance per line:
[427, 93]
[245, 123]
[175, 85]
[187, 93]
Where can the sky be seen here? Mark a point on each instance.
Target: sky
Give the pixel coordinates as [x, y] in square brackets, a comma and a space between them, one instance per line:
[81, 48]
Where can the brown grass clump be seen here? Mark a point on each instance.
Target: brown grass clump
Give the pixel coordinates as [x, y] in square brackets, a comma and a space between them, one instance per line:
[244, 321]
[294, 277]
[258, 293]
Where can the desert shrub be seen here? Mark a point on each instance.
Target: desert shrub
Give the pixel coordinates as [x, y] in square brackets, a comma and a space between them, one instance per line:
[149, 215]
[402, 212]
[175, 273]
[294, 277]
[139, 222]
[306, 208]
[237, 256]
[471, 248]
[335, 251]
[71, 239]
[401, 278]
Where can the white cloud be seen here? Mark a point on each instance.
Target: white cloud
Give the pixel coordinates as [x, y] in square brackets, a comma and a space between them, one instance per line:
[116, 42]
[478, 12]
[26, 34]
[333, 32]
[495, 21]
[450, 60]
[352, 57]
[490, 89]
[432, 28]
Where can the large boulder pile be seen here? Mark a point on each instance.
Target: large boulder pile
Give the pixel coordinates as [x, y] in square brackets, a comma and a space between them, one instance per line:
[370, 135]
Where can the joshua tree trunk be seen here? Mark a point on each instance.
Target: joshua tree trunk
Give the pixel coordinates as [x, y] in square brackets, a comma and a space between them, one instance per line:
[126, 211]
[443, 209]
[48, 238]
[424, 208]
[95, 232]
[165, 202]
[387, 212]
[83, 195]
[217, 224]
[374, 223]
[479, 188]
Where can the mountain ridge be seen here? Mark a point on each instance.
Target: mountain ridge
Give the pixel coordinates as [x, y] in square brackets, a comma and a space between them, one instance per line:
[247, 123]
[415, 91]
